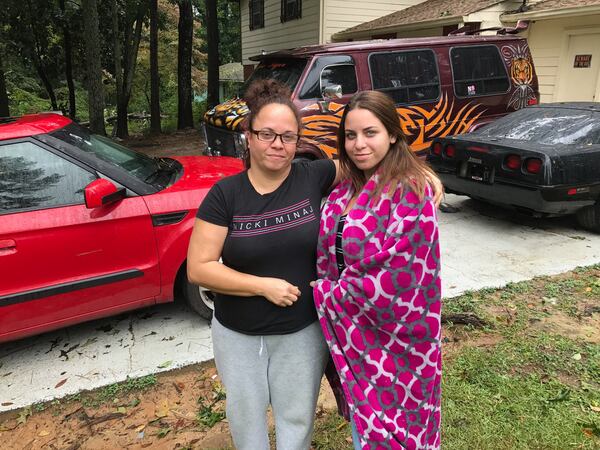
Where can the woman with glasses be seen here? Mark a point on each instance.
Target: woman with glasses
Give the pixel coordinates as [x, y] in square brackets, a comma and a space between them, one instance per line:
[264, 224]
[378, 294]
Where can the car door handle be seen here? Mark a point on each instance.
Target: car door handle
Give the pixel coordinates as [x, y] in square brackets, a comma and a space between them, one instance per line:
[7, 247]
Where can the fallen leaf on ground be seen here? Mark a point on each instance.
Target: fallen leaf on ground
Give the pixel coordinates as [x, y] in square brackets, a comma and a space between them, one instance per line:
[576, 356]
[60, 383]
[165, 364]
[163, 409]
[43, 433]
[6, 403]
[595, 408]
[140, 428]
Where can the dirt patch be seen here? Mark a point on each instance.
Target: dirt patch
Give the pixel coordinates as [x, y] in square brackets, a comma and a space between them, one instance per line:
[169, 416]
[179, 143]
[585, 328]
[163, 417]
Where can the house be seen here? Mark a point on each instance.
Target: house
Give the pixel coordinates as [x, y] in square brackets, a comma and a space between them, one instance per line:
[432, 18]
[564, 38]
[269, 25]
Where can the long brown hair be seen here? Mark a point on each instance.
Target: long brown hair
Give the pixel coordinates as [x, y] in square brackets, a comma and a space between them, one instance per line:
[261, 93]
[399, 166]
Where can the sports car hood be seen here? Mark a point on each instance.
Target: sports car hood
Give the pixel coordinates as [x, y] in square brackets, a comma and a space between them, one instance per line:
[200, 173]
[227, 115]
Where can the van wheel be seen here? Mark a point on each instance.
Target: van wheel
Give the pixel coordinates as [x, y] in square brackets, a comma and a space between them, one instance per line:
[589, 217]
[200, 299]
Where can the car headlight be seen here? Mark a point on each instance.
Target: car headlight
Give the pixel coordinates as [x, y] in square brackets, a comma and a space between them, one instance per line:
[240, 144]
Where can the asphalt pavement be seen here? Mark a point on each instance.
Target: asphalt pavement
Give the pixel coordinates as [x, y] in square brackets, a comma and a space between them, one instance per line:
[482, 246]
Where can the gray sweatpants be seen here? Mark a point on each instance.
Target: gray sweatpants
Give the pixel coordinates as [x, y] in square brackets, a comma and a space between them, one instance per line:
[283, 370]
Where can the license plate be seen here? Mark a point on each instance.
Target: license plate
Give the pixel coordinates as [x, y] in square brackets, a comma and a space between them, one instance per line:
[479, 172]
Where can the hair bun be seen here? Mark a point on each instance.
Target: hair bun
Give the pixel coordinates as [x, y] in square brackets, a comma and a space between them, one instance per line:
[265, 91]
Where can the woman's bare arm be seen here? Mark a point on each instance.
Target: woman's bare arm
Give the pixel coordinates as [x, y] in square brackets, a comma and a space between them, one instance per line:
[204, 268]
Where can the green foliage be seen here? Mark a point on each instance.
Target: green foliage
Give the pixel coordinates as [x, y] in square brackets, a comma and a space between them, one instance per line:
[210, 412]
[113, 391]
[27, 93]
[230, 35]
[331, 432]
[522, 393]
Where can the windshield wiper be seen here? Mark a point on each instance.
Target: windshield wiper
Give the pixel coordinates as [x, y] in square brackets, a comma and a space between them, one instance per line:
[163, 165]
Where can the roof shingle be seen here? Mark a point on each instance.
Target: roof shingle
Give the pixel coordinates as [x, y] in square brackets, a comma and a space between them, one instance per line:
[560, 4]
[428, 10]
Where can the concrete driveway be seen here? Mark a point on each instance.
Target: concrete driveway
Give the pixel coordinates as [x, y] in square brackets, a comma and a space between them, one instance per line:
[482, 246]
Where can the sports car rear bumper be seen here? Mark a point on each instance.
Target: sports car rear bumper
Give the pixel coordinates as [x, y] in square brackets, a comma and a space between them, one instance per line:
[547, 200]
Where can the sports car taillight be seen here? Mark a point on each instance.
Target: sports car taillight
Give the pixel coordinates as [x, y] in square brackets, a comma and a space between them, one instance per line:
[436, 149]
[533, 165]
[512, 162]
[450, 151]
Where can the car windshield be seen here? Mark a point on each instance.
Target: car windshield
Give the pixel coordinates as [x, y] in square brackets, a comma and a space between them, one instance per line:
[137, 164]
[547, 126]
[287, 71]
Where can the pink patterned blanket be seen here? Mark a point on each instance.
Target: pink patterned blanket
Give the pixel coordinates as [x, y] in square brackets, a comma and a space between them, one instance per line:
[381, 315]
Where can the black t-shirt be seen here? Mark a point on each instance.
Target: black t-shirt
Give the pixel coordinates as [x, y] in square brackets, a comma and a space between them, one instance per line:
[271, 235]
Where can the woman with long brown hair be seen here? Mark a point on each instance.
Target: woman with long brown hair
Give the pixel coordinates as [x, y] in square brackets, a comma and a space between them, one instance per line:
[378, 295]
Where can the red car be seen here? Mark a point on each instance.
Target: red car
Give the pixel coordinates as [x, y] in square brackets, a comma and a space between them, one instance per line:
[89, 228]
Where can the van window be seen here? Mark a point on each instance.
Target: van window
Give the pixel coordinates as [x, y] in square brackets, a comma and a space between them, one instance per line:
[286, 71]
[478, 71]
[328, 70]
[407, 77]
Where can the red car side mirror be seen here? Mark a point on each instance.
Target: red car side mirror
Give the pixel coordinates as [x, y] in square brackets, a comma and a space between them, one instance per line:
[101, 192]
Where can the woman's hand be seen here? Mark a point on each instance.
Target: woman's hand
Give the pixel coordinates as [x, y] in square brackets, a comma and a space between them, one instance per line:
[279, 292]
[437, 187]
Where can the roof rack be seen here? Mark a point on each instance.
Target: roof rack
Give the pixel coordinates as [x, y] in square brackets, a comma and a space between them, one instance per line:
[522, 25]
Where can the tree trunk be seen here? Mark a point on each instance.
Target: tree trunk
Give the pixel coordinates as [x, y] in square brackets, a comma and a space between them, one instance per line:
[37, 58]
[46, 82]
[212, 41]
[132, 44]
[68, 61]
[185, 28]
[154, 80]
[118, 69]
[93, 66]
[4, 109]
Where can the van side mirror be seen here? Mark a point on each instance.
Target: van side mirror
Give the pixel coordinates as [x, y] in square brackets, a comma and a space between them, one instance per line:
[332, 91]
[101, 192]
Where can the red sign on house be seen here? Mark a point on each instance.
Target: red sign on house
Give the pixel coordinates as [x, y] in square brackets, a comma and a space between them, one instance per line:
[582, 61]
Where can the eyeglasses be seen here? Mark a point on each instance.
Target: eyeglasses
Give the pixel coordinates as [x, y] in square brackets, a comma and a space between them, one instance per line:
[270, 136]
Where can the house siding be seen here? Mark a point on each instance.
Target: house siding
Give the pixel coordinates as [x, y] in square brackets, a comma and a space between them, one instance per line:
[546, 41]
[490, 17]
[276, 35]
[340, 15]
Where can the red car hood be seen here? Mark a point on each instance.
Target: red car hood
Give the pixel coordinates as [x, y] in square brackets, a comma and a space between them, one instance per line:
[199, 175]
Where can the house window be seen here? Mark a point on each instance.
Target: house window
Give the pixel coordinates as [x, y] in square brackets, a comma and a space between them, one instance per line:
[407, 77]
[257, 14]
[478, 71]
[291, 9]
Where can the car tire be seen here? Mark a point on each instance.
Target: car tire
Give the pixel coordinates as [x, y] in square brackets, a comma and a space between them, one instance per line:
[200, 299]
[589, 217]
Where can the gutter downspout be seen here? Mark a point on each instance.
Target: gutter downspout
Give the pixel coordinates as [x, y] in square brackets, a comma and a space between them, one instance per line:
[321, 21]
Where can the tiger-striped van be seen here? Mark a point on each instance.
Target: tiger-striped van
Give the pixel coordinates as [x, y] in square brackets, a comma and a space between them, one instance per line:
[441, 85]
